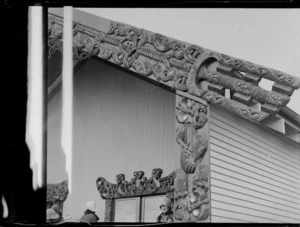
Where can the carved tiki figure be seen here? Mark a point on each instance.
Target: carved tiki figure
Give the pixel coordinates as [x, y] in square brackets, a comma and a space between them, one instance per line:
[138, 182]
[192, 151]
[122, 184]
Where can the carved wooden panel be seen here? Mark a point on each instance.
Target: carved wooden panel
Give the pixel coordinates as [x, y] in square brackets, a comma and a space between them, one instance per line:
[139, 185]
[191, 184]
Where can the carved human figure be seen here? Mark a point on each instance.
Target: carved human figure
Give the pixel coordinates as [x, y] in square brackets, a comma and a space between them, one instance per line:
[156, 174]
[138, 182]
[192, 151]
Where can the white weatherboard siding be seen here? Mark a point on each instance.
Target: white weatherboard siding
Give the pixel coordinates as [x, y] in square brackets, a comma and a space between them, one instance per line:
[255, 174]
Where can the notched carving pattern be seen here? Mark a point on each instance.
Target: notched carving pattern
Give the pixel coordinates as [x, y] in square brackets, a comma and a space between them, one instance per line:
[180, 65]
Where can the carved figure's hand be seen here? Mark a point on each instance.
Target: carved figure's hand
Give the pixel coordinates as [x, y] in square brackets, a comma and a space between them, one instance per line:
[190, 167]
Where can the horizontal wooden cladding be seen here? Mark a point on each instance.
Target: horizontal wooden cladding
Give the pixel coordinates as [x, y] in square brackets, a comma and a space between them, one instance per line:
[238, 137]
[254, 168]
[256, 209]
[254, 192]
[228, 219]
[246, 213]
[254, 184]
[258, 135]
[255, 174]
[282, 209]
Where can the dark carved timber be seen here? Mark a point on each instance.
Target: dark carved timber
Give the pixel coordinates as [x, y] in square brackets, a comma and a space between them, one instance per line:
[191, 184]
[57, 192]
[195, 73]
[181, 66]
[137, 186]
[109, 210]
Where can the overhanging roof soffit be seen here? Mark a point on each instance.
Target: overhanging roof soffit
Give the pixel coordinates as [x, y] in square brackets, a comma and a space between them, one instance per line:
[220, 79]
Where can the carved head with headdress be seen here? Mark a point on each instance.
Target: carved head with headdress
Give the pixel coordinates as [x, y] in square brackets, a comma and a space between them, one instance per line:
[120, 178]
[156, 173]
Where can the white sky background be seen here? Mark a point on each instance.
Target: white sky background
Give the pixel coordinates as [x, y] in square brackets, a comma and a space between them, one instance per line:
[268, 37]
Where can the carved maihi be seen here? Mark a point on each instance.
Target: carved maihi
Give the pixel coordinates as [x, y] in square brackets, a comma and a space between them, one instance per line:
[180, 65]
[57, 192]
[138, 185]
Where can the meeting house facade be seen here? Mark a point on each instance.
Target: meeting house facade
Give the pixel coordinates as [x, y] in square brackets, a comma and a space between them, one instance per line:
[159, 121]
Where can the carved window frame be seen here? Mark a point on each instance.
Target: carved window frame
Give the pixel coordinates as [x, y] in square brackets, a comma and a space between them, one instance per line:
[138, 187]
[197, 76]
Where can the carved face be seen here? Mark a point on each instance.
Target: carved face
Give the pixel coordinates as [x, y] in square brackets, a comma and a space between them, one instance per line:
[202, 172]
[181, 212]
[156, 173]
[120, 178]
[199, 121]
[138, 174]
[199, 108]
[128, 45]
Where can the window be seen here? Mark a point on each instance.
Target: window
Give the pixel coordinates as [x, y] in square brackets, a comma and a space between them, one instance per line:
[138, 209]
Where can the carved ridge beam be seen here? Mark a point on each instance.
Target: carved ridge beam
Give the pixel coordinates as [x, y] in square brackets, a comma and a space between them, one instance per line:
[188, 68]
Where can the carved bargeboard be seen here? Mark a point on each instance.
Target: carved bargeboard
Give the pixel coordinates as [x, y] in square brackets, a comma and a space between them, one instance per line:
[139, 185]
[182, 66]
[191, 184]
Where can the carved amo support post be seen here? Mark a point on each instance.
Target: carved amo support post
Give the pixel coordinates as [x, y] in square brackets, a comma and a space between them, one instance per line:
[191, 184]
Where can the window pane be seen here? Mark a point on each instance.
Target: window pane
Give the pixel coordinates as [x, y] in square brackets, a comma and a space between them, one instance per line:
[127, 210]
[151, 207]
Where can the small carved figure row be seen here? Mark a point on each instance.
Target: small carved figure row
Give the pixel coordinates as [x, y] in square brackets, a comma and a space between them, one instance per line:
[139, 185]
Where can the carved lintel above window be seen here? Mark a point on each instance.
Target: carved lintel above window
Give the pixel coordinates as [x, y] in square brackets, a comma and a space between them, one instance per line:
[139, 185]
[181, 66]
